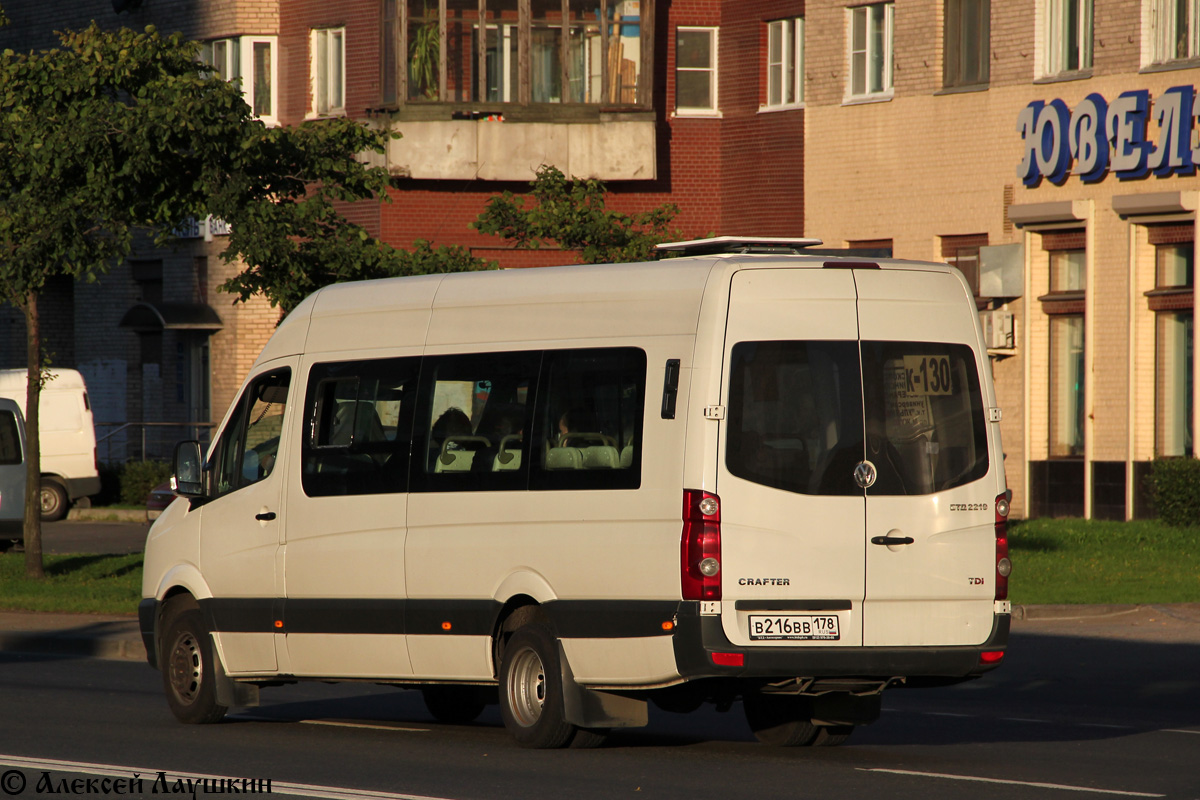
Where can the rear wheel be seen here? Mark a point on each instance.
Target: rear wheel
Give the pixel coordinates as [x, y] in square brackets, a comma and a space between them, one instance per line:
[188, 668]
[454, 705]
[779, 719]
[54, 500]
[531, 698]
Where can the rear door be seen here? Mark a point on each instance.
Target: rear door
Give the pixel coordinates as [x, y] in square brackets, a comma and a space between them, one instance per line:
[855, 481]
[792, 530]
[930, 518]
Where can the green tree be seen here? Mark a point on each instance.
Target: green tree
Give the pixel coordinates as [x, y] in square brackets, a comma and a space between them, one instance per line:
[572, 215]
[119, 131]
[109, 132]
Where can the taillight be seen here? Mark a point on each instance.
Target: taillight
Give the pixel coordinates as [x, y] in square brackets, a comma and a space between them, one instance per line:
[700, 546]
[1003, 564]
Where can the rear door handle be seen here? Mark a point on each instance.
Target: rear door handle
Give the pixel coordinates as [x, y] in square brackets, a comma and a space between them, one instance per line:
[891, 540]
[266, 516]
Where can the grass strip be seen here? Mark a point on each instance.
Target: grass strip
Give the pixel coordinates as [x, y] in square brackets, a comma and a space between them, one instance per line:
[1054, 561]
[74, 584]
[1095, 561]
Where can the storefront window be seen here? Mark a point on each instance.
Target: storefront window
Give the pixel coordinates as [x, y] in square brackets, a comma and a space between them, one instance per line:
[1066, 386]
[1173, 374]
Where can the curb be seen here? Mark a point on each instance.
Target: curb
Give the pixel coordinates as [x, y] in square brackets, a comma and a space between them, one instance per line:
[36, 643]
[1185, 612]
[103, 514]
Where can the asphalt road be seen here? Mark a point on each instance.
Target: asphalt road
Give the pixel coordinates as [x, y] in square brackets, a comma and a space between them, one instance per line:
[1100, 708]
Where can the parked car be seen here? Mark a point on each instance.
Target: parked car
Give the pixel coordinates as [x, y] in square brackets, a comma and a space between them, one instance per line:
[157, 501]
[12, 474]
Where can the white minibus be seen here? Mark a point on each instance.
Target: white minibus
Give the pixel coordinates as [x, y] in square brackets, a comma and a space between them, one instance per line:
[747, 474]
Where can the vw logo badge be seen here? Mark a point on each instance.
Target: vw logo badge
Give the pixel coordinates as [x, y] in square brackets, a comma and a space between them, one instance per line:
[864, 474]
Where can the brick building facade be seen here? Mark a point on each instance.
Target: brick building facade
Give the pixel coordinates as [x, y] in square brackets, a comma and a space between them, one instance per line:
[936, 129]
[1090, 262]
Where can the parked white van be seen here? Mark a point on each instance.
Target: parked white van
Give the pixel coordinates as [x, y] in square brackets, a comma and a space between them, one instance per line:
[12, 474]
[67, 437]
[755, 475]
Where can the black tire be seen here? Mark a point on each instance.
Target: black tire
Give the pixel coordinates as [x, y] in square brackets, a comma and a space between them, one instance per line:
[189, 669]
[779, 719]
[832, 735]
[453, 705]
[53, 500]
[531, 698]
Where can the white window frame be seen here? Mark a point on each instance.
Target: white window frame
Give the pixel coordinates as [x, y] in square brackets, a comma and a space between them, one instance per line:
[712, 109]
[1162, 31]
[1054, 41]
[785, 90]
[238, 66]
[328, 77]
[853, 14]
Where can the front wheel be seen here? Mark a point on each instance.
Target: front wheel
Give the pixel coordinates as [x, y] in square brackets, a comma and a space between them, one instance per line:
[189, 669]
[531, 698]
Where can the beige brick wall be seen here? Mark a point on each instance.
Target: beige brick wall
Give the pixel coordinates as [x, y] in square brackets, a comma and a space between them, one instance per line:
[925, 165]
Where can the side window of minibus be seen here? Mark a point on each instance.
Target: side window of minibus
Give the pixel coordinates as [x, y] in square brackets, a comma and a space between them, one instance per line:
[590, 419]
[358, 427]
[471, 430]
[246, 451]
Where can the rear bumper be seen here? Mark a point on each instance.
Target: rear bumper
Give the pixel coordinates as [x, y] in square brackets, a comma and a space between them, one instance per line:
[82, 487]
[697, 637]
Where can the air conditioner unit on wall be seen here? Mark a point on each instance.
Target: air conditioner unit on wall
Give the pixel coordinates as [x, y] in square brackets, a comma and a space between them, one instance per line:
[998, 330]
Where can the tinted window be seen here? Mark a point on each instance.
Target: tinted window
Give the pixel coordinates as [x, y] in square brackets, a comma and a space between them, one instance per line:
[358, 427]
[926, 430]
[798, 412]
[10, 440]
[473, 416]
[795, 416]
[589, 431]
[246, 451]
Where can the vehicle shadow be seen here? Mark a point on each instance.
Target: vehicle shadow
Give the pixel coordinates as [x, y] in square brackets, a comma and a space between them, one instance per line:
[1051, 688]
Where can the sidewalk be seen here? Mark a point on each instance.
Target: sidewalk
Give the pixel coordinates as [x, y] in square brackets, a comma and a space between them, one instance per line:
[118, 638]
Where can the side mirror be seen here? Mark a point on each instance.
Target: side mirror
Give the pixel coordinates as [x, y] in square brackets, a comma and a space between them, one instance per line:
[187, 471]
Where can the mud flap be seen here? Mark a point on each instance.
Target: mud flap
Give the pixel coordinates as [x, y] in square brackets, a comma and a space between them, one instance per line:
[230, 693]
[589, 708]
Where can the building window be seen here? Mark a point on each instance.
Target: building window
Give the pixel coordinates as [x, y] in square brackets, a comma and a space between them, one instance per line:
[871, 50]
[251, 62]
[472, 55]
[1174, 30]
[1172, 300]
[785, 63]
[967, 48]
[963, 252]
[329, 70]
[1065, 305]
[696, 70]
[1068, 35]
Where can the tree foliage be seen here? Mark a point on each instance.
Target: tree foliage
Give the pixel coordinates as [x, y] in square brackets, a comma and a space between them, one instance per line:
[106, 133]
[283, 201]
[116, 131]
[572, 215]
